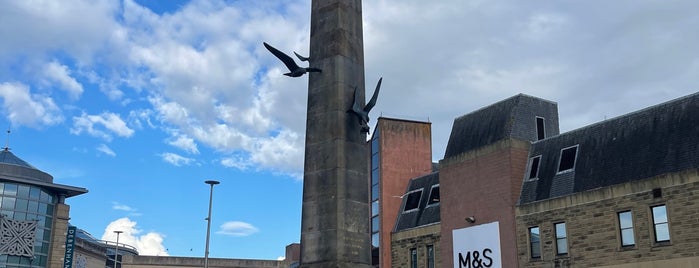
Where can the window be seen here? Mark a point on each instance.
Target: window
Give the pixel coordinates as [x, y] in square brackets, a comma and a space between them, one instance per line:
[561, 238]
[534, 242]
[540, 130]
[568, 156]
[660, 224]
[375, 160]
[23, 202]
[626, 228]
[375, 192]
[375, 141]
[412, 200]
[413, 258]
[430, 256]
[374, 224]
[375, 240]
[375, 176]
[10, 189]
[534, 167]
[8, 203]
[434, 195]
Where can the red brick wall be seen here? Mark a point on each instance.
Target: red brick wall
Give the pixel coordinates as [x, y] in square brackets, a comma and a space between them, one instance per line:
[406, 153]
[483, 183]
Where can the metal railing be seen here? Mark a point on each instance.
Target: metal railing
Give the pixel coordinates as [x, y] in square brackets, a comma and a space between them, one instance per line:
[122, 246]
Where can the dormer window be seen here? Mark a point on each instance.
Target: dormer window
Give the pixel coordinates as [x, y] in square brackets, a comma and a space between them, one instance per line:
[412, 200]
[534, 167]
[540, 129]
[567, 159]
[434, 195]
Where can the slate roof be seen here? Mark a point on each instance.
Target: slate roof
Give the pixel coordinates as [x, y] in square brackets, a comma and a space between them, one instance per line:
[514, 117]
[657, 140]
[14, 169]
[7, 157]
[425, 214]
[13, 166]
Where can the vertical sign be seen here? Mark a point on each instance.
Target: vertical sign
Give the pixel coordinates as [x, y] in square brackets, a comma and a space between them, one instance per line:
[70, 245]
[477, 246]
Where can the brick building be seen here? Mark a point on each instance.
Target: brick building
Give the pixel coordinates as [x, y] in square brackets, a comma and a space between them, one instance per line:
[516, 193]
[400, 150]
[619, 193]
[481, 174]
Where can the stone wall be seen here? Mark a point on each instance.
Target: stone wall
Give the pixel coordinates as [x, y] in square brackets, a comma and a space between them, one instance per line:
[593, 227]
[88, 254]
[129, 261]
[58, 235]
[418, 238]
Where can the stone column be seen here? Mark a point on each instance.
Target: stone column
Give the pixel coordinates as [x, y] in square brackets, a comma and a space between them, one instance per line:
[58, 236]
[335, 217]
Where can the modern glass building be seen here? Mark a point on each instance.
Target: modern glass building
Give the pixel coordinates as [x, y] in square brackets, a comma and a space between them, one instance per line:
[33, 214]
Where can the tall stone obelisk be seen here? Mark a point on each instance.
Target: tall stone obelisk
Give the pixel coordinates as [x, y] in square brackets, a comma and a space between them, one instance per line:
[335, 216]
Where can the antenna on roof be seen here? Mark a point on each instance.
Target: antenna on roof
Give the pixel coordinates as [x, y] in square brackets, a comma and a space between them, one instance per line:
[7, 142]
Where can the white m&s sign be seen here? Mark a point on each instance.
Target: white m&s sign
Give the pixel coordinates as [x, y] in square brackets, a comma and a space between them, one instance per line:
[477, 246]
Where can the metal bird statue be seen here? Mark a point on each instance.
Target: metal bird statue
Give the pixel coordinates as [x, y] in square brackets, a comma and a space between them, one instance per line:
[301, 58]
[363, 112]
[294, 69]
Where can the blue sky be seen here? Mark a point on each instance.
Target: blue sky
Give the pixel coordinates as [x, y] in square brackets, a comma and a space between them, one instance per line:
[141, 101]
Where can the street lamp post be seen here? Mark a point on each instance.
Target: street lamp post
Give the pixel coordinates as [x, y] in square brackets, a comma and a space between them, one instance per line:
[208, 222]
[116, 249]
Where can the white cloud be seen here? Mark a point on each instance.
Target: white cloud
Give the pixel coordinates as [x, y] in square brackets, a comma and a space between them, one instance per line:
[283, 152]
[542, 25]
[176, 159]
[138, 117]
[488, 52]
[170, 112]
[236, 161]
[40, 27]
[185, 143]
[210, 88]
[24, 108]
[149, 244]
[122, 207]
[102, 126]
[108, 86]
[214, 85]
[58, 73]
[106, 150]
[205, 81]
[237, 228]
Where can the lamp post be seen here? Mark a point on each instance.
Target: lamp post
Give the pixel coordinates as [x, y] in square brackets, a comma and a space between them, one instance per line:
[208, 222]
[116, 249]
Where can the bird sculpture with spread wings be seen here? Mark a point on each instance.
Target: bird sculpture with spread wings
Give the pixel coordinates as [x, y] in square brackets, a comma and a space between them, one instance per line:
[294, 69]
[362, 113]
